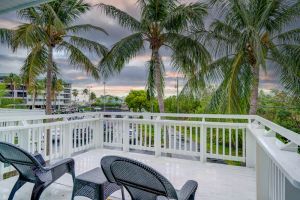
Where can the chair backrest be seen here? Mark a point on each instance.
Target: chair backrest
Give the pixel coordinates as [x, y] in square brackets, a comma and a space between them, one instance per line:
[23, 161]
[141, 181]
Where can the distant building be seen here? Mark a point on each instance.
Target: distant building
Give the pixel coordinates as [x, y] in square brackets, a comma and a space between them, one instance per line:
[63, 99]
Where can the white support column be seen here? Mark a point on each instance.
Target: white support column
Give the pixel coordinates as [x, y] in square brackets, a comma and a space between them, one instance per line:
[262, 174]
[100, 132]
[157, 137]
[67, 141]
[250, 149]
[203, 142]
[125, 134]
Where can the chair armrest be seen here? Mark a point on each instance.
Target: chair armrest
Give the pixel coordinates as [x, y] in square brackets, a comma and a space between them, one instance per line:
[188, 190]
[60, 168]
[2, 159]
[40, 159]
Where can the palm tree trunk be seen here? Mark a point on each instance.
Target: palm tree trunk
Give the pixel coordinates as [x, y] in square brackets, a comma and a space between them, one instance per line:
[254, 90]
[49, 81]
[33, 101]
[48, 94]
[158, 80]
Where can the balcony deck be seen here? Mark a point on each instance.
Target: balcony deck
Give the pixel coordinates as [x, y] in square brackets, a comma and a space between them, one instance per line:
[216, 181]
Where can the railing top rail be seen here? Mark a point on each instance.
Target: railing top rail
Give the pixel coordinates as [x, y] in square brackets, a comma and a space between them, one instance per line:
[290, 135]
[43, 117]
[178, 122]
[16, 128]
[25, 117]
[287, 161]
[212, 116]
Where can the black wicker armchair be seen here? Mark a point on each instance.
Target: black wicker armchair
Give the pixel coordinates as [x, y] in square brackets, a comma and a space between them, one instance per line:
[33, 169]
[143, 182]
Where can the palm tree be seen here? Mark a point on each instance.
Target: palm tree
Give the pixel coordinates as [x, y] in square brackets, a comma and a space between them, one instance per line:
[162, 24]
[35, 90]
[85, 93]
[57, 87]
[93, 97]
[251, 36]
[75, 93]
[13, 81]
[50, 28]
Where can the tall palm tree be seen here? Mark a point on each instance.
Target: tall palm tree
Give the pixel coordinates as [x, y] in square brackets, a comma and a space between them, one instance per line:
[57, 88]
[75, 93]
[162, 24]
[251, 36]
[50, 28]
[85, 93]
[92, 97]
[13, 81]
[35, 90]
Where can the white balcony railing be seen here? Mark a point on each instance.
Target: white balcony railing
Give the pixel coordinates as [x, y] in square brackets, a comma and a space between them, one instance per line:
[250, 140]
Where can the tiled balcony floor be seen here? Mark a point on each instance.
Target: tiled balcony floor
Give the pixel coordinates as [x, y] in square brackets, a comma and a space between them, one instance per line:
[216, 181]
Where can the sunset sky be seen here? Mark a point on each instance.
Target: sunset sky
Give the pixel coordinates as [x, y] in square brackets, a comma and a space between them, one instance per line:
[134, 74]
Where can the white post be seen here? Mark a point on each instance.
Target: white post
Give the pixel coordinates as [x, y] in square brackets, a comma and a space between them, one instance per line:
[250, 149]
[157, 137]
[125, 134]
[100, 132]
[203, 141]
[67, 140]
[262, 174]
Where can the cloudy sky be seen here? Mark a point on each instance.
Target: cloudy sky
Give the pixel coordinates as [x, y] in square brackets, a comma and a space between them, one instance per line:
[134, 74]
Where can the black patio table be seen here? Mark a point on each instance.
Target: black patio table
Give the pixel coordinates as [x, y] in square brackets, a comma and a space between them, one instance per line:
[94, 185]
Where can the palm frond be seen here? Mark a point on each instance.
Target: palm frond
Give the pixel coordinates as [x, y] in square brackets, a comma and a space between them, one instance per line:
[291, 36]
[183, 16]
[6, 36]
[28, 35]
[123, 18]
[70, 10]
[121, 53]
[284, 15]
[187, 47]
[35, 63]
[157, 11]
[287, 58]
[91, 46]
[79, 60]
[85, 28]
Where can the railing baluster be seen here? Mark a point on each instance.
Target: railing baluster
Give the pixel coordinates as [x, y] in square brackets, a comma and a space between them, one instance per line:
[56, 142]
[174, 137]
[169, 133]
[217, 141]
[224, 142]
[180, 137]
[244, 143]
[165, 136]
[191, 139]
[185, 138]
[236, 142]
[211, 140]
[150, 135]
[230, 146]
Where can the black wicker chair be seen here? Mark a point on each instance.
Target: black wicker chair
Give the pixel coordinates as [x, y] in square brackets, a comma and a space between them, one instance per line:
[143, 182]
[33, 169]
